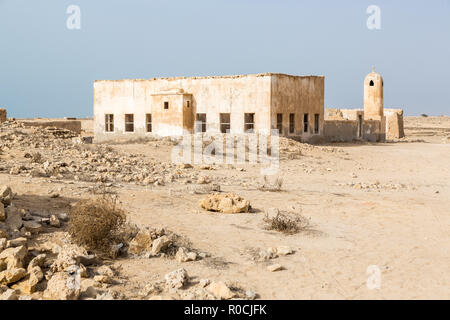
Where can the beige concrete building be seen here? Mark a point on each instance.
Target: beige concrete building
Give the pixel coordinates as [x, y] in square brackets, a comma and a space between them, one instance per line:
[129, 109]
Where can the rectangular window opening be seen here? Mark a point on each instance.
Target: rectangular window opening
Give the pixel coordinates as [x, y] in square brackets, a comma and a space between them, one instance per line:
[148, 122]
[166, 105]
[316, 123]
[280, 123]
[305, 122]
[201, 122]
[224, 122]
[249, 122]
[129, 122]
[291, 123]
[109, 122]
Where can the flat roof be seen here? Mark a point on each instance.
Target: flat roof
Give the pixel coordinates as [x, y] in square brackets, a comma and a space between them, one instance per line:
[222, 77]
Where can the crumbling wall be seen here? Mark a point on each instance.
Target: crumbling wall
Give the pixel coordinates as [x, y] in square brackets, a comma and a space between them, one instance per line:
[3, 115]
[340, 130]
[394, 123]
[72, 125]
[374, 130]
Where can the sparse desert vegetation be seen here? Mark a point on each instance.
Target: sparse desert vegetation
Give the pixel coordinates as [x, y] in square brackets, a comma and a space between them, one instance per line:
[129, 224]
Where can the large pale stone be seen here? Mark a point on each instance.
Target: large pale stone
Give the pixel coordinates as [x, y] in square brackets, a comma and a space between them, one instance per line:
[177, 279]
[142, 242]
[59, 287]
[220, 290]
[12, 275]
[6, 195]
[225, 203]
[13, 257]
[160, 244]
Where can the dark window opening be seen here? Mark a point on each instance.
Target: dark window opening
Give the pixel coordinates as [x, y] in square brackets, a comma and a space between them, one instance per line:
[305, 122]
[201, 122]
[291, 123]
[148, 121]
[109, 122]
[249, 122]
[224, 122]
[371, 83]
[129, 122]
[316, 123]
[280, 123]
[188, 103]
[360, 123]
[166, 105]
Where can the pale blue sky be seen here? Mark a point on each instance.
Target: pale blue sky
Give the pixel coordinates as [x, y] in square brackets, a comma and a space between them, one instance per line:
[47, 70]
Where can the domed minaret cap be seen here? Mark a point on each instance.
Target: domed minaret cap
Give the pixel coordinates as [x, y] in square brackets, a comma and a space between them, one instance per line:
[374, 75]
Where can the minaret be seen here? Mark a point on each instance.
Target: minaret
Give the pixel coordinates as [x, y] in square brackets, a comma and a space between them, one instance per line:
[373, 96]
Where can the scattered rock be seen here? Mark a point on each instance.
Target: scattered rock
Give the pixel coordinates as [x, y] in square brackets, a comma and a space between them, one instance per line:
[17, 242]
[220, 290]
[9, 294]
[141, 242]
[275, 267]
[6, 195]
[177, 279]
[225, 203]
[54, 221]
[160, 244]
[106, 271]
[284, 250]
[60, 287]
[37, 261]
[12, 275]
[183, 255]
[13, 257]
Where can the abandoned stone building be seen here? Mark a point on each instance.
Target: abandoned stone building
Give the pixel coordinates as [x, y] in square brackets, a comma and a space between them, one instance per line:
[130, 109]
[171, 106]
[373, 123]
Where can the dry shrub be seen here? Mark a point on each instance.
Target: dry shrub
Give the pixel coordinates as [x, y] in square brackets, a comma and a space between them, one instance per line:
[97, 223]
[275, 186]
[287, 222]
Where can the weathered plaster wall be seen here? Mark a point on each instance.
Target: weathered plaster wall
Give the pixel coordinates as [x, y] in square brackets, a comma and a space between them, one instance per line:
[298, 95]
[340, 130]
[394, 123]
[211, 95]
[374, 130]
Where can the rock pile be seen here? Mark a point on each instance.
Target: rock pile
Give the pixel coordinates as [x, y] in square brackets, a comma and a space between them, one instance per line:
[54, 154]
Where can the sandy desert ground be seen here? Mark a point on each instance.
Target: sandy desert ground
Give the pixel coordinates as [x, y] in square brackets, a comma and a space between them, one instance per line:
[383, 204]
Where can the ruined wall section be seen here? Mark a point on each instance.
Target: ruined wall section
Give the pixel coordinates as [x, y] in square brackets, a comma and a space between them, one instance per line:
[3, 117]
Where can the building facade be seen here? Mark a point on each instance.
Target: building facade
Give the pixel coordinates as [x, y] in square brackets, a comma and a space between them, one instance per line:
[372, 123]
[130, 109]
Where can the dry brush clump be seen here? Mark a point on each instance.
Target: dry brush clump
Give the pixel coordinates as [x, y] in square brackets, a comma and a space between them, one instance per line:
[286, 222]
[275, 186]
[97, 223]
